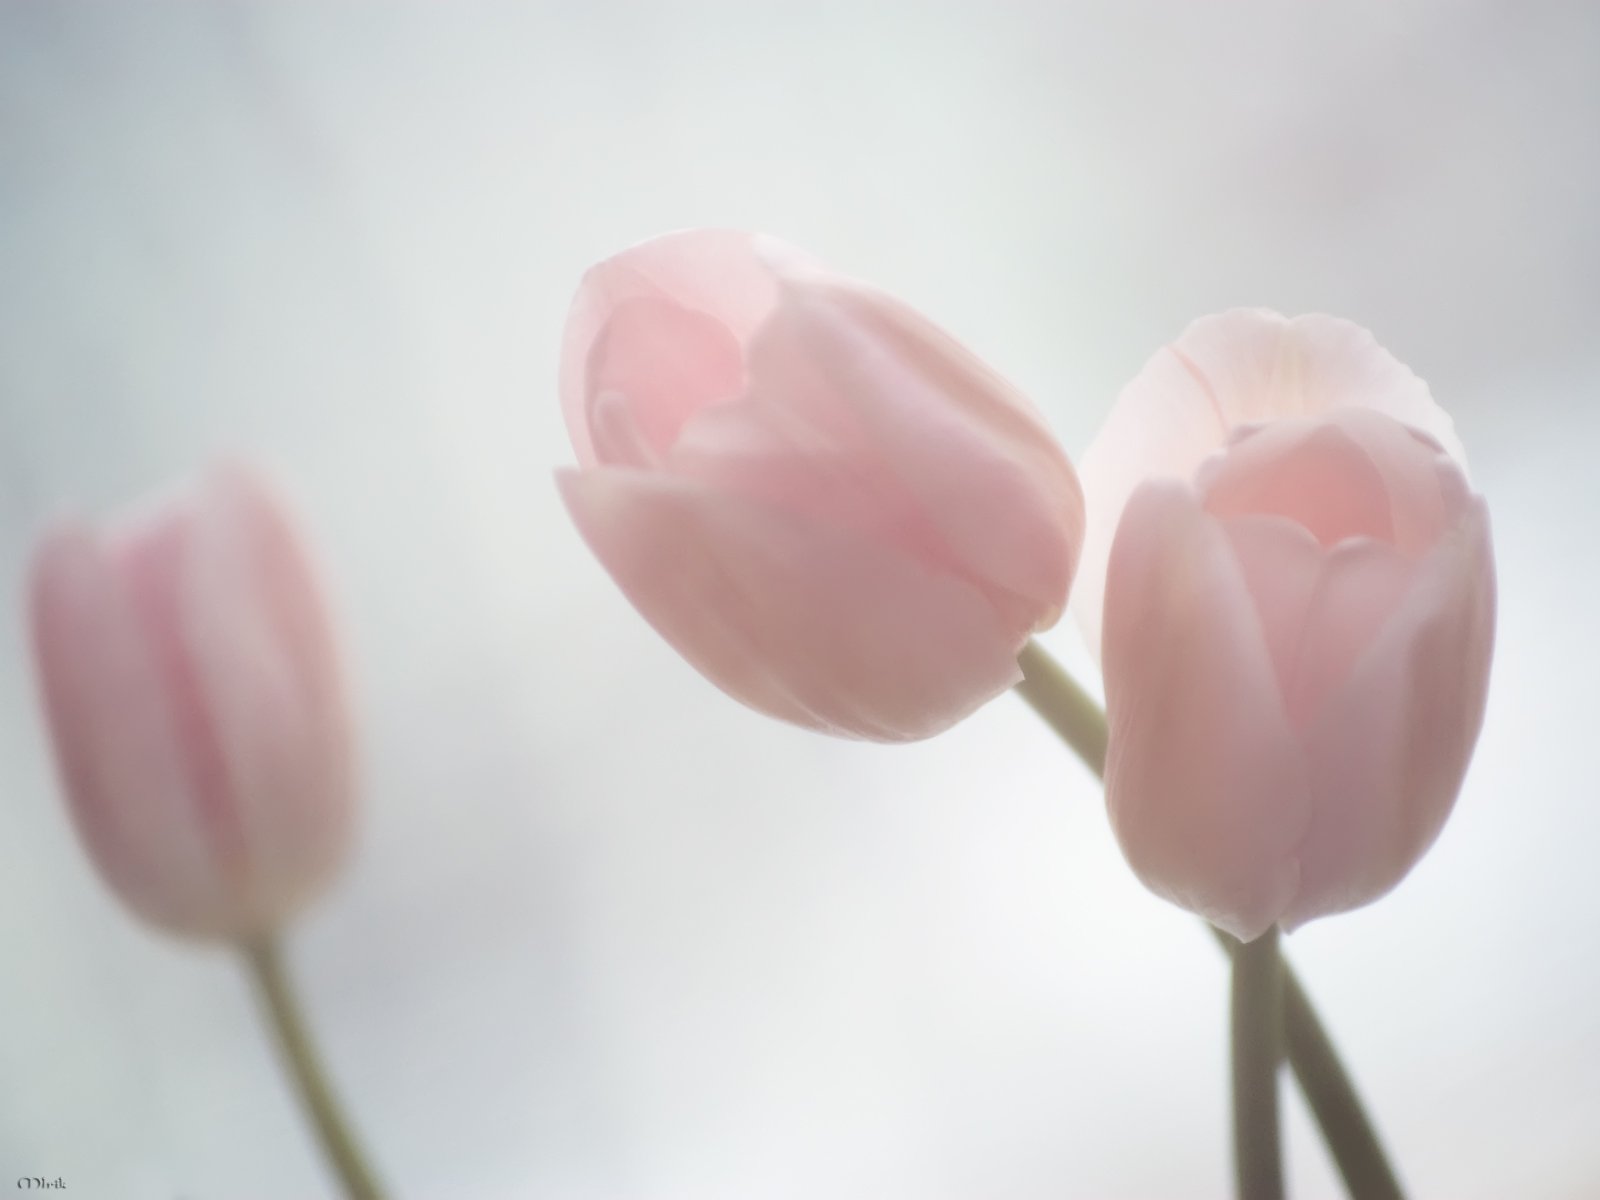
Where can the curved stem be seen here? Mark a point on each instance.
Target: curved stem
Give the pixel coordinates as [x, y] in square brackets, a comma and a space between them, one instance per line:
[1257, 1020]
[1332, 1097]
[1065, 707]
[300, 1056]
[1346, 1128]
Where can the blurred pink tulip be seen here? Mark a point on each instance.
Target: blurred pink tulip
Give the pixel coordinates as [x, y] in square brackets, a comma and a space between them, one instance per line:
[832, 509]
[1297, 637]
[190, 682]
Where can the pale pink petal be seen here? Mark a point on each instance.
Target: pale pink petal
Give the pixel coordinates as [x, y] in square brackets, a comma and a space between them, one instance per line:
[149, 552]
[1260, 366]
[257, 633]
[967, 446]
[1390, 748]
[1360, 585]
[843, 424]
[1250, 364]
[1353, 473]
[1204, 779]
[801, 620]
[750, 449]
[1421, 483]
[1235, 368]
[1309, 471]
[718, 275]
[1319, 609]
[1162, 426]
[664, 362]
[125, 778]
[831, 423]
[798, 402]
[1281, 564]
[616, 435]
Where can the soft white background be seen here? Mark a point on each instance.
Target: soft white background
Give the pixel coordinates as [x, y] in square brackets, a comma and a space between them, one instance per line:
[608, 934]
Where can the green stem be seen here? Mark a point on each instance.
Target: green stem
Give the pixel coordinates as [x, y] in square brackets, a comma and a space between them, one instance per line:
[1065, 707]
[1332, 1097]
[300, 1056]
[1257, 1021]
[1346, 1128]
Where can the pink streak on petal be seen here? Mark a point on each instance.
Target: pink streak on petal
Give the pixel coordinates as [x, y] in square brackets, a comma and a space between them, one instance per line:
[1253, 363]
[1204, 384]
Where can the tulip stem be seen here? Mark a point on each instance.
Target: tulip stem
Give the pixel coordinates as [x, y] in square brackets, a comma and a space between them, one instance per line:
[333, 1128]
[1065, 707]
[1257, 1020]
[1322, 1078]
[1328, 1090]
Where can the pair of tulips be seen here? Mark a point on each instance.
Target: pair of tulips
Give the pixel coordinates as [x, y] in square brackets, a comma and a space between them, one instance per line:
[846, 520]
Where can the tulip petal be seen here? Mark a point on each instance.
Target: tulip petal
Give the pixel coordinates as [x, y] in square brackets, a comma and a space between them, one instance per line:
[1389, 750]
[1162, 427]
[715, 275]
[1261, 366]
[804, 621]
[1204, 779]
[1309, 471]
[1281, 563]
[665, 362]
[971, 447]
[1423, 485]
[115, 740]
[152, 550]
[1239, 367]
[263, 654]
[1358, 589]
[760, 451]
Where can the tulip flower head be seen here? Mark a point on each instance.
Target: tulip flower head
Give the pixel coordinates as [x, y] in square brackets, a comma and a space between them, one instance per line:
[192, 689]
[827, 505]
[1298, 619]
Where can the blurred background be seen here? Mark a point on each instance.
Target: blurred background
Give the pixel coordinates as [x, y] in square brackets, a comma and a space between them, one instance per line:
[607, 933]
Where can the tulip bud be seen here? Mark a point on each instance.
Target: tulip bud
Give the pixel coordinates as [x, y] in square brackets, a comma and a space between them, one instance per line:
[1297, 637]
[191, 686]
[833, 510]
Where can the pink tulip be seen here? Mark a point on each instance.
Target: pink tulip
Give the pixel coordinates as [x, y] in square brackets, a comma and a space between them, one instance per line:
[1297, 634]
[838, 514]
[190, 682]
